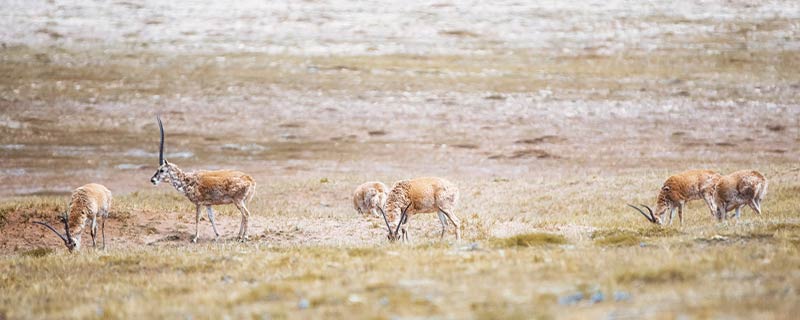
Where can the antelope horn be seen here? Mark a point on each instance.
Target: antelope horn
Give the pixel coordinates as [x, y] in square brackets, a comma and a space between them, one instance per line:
[653, 220]
[385, 220]
[403, 218]
[651, 213]
[66, 226]
[161, 159]
[66, 241]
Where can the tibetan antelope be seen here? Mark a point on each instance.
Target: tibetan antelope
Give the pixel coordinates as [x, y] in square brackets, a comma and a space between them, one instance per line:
[87, 203]
[734, 191]
[370, 196]
[420, 195]
[679, 189]
[207, 188]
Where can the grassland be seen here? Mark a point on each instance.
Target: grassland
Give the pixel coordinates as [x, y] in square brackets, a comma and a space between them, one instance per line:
[542, 262]
[548, 133]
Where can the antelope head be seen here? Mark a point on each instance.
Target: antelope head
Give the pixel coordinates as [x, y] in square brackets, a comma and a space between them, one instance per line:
[164, 167]
[652, 218]
[394, 235]
[70, 242]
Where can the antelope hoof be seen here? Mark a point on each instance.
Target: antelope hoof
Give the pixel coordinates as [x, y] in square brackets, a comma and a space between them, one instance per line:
[243, 239]
[194, 240]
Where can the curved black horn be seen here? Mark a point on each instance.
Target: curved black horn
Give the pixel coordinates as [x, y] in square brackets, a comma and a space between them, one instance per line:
[385, 220]
[653, 220]
[66, 226]
[652, 217]
[54, 231]
[161, 146]
[403, 218]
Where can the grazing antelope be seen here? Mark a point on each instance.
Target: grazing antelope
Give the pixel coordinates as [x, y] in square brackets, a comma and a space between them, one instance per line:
[420, 195]
[207, 188]
[87, 202]
[734, 191]
[679, 189]
[370, 196]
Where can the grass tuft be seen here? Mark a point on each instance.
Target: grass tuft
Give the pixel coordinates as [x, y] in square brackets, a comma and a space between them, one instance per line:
[652, 276]
[364, 252]
[616, 238]
[786, 227]
[265, 293]
[658, 232]
[38, 252]
[622, 237]
[529, 240]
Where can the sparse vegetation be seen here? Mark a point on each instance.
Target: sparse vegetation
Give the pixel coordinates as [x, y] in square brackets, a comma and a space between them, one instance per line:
[616, 238]
[548, 135]
[662, 275]
[529, 240]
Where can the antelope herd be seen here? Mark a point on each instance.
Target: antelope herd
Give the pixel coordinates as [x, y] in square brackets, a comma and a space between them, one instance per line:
[721, 193]
[395, 205]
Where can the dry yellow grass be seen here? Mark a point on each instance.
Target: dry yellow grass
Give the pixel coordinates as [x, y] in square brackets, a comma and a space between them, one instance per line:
[547, 145]
[630, 263]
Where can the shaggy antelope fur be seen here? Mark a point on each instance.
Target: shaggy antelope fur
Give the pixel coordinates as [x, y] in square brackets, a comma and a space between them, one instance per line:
[734, 191]
[87, 202]
[207, 188]
[679, 189]
[420, 195]
[370, 196]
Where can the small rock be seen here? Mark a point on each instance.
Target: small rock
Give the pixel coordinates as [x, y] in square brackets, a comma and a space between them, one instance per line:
[227, 279]
[571, 299]
[597, 297]
[621, 296]
[303, 304]
[354, 298]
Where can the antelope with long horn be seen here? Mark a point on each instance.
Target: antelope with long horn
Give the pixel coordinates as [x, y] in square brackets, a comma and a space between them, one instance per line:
[740, 188]
[680, 189]
[208, 188]
[420, 195]
[87, 202]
